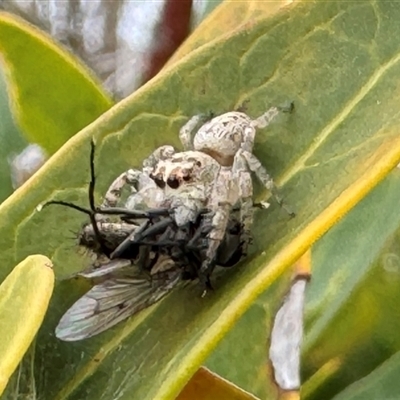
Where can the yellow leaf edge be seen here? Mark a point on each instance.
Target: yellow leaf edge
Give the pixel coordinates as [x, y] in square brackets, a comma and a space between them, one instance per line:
[32, 282]
[202, 34]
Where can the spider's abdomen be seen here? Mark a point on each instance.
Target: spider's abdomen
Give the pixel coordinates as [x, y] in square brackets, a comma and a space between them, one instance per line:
[223, 136]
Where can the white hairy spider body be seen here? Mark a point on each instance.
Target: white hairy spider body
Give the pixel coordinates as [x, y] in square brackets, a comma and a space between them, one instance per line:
[214, 172]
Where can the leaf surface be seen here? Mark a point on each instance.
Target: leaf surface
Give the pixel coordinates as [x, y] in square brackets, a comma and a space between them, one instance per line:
[24, 298]
[229, 17]
[53, 96]
[11, 140]
[205, 385]
[335, 62]
[383, 383]
[352, 308]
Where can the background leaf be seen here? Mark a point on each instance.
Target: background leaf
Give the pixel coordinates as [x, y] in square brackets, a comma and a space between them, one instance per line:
[353, 296]
[11, 141]
[229, 16]
[383, 383]
[53, 96]
[341, 141]
[24, 298]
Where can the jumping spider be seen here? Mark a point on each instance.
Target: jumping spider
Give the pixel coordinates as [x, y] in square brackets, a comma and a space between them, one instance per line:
[214, 173]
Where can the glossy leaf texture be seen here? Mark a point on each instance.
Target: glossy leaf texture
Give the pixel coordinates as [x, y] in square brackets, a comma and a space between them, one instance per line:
[352, 308]
[52, 95]
[24, 298]
[334, 60]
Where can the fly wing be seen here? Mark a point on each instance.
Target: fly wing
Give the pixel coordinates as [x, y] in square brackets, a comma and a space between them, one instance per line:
[109, 269]
[112, 301]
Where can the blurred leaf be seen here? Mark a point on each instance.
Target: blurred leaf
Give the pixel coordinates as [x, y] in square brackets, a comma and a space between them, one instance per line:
[383, 383]
[342, 140]
[200, 9]
[230, 17]
[11, 140]
[53, 96]
[205, 385]
[352, 304]
[24, 298]
[172, 29]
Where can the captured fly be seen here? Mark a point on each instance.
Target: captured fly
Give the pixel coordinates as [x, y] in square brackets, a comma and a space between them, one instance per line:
[152, 265]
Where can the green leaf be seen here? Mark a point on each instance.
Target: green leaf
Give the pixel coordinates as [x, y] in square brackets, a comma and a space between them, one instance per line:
[53, 96]
[11, 141]
[352, 299]
[335, 61]
[24, 298]
[229, 17]
[383, 383]
[241, 357]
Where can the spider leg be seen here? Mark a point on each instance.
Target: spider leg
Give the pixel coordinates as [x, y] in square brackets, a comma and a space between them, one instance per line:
[219, 224]
[113, 193]
[186, 132]
[255, 166]
[241, 173]
[161, 153]
[134, 177]
[262, 122]
[265, 119]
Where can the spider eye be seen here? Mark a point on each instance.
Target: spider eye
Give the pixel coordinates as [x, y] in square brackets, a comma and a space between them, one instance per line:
[158, 180]
[186, 174]
[172, 182]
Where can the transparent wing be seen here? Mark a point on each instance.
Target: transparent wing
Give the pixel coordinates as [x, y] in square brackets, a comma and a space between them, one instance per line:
[109, 269]
[112, 301]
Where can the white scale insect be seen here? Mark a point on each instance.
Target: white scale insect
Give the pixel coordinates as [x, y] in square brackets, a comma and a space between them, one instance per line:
[213, 172]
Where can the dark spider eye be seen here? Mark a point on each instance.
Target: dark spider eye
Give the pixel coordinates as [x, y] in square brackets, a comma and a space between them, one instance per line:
[173, 183]
[198, 163]
[186, 174]
[158, 180]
